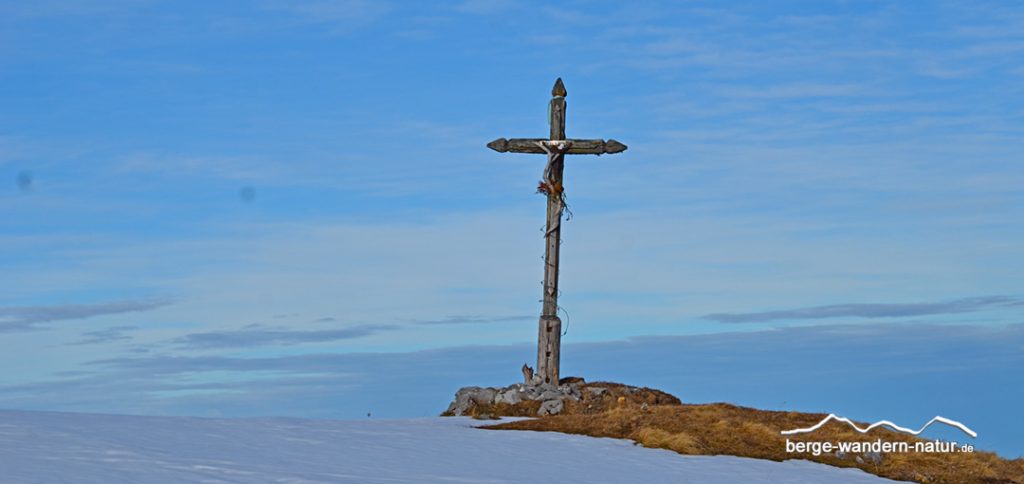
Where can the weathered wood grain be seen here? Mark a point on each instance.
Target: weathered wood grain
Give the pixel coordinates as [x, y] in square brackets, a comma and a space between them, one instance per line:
[549, 327]
[549, 338]
[576, 146]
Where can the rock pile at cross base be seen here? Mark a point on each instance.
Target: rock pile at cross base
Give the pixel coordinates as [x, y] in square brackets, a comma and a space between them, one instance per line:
[571, 396]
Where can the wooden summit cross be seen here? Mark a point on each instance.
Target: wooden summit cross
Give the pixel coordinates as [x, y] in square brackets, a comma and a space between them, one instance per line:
[549, 337]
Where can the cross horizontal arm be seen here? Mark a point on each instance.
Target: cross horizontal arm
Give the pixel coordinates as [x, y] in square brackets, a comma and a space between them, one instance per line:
[576, 146]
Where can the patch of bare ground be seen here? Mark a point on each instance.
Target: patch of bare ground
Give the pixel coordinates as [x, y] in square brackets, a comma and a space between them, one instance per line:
[656, 419]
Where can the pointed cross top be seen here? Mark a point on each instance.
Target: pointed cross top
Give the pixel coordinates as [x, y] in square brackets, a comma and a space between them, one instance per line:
[556, 119]
[559, 89]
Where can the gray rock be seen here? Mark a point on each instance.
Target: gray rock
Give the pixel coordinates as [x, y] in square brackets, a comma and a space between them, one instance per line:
[484, 396]
[597, 391]
[873, 457]
[840, 454]
[553, 398]
[464, 400]
[550, 407]
[551, 395]
[468, 397]
[572, 391]
[509, 396]
[531, 392]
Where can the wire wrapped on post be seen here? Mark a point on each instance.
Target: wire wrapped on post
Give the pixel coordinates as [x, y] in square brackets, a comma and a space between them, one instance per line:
[551, 187]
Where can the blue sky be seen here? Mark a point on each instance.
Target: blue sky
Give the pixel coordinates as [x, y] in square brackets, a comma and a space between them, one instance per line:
[297, 189]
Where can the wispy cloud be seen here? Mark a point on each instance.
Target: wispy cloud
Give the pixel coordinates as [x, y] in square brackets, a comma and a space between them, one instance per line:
[869, 310]
[114, 333]
[27, 318]
[483, 7]
[341, 15]
[794, 90]
[255, 335]
[65, 8]
[825, 368]
[252, 336]
[475, 319]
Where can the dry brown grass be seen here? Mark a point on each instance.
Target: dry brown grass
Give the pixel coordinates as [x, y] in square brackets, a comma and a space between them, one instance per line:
[724, 429]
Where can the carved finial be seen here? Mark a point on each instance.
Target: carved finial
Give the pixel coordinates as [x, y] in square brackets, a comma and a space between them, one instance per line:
[612, 146]
[559, 89]
[500, 145]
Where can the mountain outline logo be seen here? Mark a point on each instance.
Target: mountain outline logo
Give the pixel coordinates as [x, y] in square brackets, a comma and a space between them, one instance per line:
[938, 418]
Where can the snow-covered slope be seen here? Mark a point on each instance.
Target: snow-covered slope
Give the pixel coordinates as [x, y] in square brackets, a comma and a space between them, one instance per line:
[44, 447]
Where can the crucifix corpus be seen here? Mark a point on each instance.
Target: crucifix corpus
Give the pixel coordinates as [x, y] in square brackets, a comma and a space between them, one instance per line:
[549, 336]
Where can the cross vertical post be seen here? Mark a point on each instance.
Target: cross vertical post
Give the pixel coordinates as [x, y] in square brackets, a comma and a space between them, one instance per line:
[549, 336]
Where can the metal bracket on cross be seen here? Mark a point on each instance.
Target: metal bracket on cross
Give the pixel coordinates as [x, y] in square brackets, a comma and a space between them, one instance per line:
[554, 147]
